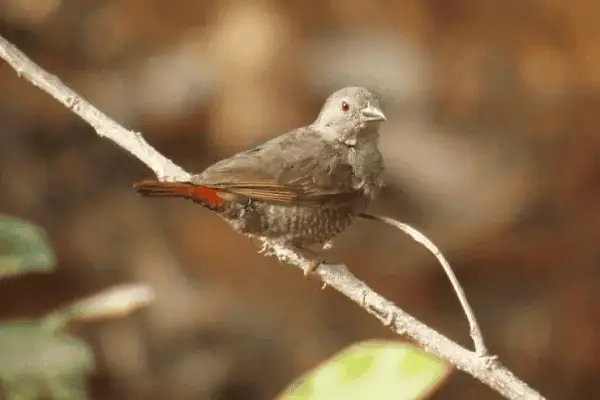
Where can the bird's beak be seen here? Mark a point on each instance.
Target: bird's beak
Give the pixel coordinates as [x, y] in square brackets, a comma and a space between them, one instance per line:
[370, 113]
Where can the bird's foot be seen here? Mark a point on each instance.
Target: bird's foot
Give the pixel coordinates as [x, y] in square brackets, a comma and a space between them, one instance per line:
[312, 267]
[327, 245]
[266, 249]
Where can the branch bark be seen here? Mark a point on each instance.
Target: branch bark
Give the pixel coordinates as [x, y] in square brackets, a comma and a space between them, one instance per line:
[474, 329]
[486, 369]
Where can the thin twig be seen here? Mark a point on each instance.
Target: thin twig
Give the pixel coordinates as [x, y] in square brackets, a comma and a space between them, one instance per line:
[488, 371]
[474, 329]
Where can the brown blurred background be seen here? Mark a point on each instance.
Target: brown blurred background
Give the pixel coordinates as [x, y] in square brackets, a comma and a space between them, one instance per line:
[491, 149]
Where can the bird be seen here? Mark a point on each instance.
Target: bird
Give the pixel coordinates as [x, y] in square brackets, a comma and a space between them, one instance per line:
[301, 188]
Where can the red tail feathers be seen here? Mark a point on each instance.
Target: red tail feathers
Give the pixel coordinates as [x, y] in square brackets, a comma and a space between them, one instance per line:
[201, 194]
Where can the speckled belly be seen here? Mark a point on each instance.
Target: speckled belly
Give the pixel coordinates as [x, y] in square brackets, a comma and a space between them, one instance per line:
[301, 225]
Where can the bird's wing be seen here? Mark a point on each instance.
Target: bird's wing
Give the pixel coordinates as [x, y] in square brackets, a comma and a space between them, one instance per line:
[296, 168]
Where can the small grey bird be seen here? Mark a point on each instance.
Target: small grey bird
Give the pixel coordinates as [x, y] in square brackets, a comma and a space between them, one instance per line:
[301, 188]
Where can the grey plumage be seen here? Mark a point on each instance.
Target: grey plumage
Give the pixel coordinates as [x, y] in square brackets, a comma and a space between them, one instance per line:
[304, 186]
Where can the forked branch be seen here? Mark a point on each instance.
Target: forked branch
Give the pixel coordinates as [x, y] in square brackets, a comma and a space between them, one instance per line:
[474, 329]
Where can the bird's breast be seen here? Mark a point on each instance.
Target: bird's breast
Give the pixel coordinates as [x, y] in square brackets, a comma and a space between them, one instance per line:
[367, 164]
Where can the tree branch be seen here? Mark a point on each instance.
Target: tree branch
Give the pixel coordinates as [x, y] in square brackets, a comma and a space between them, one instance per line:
[485, 369]
[474, 329]
[131, 141]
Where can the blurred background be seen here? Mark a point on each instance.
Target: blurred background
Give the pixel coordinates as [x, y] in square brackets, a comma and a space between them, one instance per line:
[491, 150]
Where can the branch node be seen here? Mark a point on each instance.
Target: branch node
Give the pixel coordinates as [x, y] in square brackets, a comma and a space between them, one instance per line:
[363, 297]
[73, 103]
[489, 361]
[390, 319]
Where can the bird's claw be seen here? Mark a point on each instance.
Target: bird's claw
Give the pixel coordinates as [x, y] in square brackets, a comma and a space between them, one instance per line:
[265, 249]
[312, 267]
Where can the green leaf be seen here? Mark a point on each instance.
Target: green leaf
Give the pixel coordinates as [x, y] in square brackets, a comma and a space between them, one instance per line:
[24, 248]
[371, 370]
[37, 362]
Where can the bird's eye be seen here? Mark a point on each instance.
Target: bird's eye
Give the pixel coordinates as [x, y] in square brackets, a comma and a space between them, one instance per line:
[345, 106]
